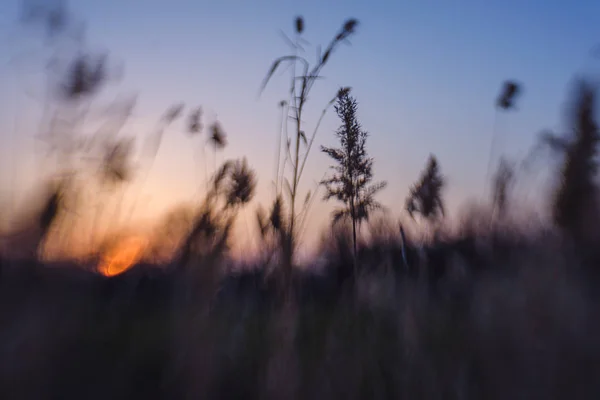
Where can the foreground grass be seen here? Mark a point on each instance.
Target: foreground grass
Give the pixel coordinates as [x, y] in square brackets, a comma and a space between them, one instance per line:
[527, 328]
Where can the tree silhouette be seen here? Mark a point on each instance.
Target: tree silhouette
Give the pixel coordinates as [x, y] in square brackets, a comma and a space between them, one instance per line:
[576, 194]
[425, 196]
[351, 182]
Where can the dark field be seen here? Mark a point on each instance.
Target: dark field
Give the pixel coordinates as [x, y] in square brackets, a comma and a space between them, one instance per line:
[464, 325]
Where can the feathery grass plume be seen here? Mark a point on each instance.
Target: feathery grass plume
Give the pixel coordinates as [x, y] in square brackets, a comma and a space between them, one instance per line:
[233, 187]
[195, 121]
[217, 136]
[234, 182]
[350, 26]
[299, 25]
[350, 182]
[425, 197]
[194, 128]
[505, 101]
[276, 219]
[217, 139]
[510, 91]
[242, 184]
[300, 87]
[173, 113]
[85, 77]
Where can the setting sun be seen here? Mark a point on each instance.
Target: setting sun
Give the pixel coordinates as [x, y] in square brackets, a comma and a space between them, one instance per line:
[122, 256]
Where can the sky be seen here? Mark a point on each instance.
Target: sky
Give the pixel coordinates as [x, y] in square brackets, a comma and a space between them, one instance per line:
[426, 75]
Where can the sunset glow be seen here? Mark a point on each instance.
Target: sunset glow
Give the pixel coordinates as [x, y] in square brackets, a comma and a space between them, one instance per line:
[121, 257]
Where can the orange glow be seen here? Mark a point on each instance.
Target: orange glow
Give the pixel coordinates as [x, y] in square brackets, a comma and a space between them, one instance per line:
[121, 257]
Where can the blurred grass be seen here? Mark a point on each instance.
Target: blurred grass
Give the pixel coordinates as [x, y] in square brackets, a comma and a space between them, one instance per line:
[528, 331]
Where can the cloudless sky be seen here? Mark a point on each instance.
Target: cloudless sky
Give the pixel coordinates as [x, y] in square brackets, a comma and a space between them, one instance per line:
[426, 75]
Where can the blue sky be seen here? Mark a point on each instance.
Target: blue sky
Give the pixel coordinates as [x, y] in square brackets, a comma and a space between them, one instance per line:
[426, 75]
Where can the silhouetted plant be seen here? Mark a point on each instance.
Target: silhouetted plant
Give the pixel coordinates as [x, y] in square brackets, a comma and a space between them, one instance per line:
[425, 197]
[576, 196]
[299, 25]
[233, 186]
[219, 178]
[51, 210]
[504, 102]
[217, 139]
[173, 113]
[276, 216]
[282, 104]
[300, 87]
[208, 236]
[195, 121]
[217, 136]
[272, 228]
[195, 127]
[510, 91]
[503, 181]
[242, 184]
[59, 202]
[351, 182]
[85, 77]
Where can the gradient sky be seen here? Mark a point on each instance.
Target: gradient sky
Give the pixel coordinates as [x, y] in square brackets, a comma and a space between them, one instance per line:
[426, 75]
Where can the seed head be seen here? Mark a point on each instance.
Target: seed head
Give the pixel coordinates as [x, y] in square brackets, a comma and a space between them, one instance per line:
[299, 25]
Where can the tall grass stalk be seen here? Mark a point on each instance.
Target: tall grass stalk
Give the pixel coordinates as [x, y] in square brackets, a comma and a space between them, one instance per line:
[300, 87]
